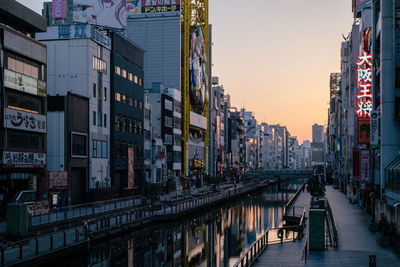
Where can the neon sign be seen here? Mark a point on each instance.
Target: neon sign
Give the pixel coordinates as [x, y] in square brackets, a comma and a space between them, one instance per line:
[364, 78]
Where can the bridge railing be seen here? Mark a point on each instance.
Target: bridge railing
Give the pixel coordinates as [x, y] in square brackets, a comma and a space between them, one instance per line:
[290, 203]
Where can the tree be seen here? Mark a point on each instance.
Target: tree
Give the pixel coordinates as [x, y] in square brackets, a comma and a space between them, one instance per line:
[315, 187]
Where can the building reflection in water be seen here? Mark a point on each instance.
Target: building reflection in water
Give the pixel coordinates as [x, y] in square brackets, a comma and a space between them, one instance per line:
[216, 238]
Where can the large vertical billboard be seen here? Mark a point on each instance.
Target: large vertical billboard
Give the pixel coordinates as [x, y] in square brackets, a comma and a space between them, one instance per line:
[198, 77]
[108, 13]
[131, 166]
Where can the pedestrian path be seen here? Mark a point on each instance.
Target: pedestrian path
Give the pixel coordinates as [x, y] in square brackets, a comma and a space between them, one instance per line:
[356, 242]
[289, 253]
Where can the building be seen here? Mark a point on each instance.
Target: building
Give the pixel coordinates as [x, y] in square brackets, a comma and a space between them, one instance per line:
[238, 142]
[317, 133]
[79, 63]
[170, 41]
[23, 80]
[127, 114]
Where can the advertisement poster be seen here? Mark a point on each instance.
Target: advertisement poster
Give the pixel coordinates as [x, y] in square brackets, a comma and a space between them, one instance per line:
[131, 166]
[58, 180]
[59, 9]
[109, 13]
[25, 121]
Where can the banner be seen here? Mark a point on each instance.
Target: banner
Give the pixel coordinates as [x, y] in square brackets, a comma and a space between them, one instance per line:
[25, 121]
[374, 130]
[15, 159]
[131, 166]
[58, 180]
[364, 166]
[59, 9]
[108, 13]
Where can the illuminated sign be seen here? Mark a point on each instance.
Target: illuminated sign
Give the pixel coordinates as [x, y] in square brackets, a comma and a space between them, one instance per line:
[18, 159]
[364, 78]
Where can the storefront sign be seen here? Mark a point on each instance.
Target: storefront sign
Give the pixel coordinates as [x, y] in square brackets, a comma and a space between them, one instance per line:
[21, 120]
[131, 166]
[374, 131]
[363, 131]
[134, 7]
[75, 31]
[364, 78]
[197, 120]
[41, 88]
[14, 159]
[20, 82]
[58, 180]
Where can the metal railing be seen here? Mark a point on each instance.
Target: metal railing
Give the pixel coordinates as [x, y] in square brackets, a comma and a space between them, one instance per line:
[271, 236]
[332, 227]
[31, 248]
[290, 203]
[306, 249]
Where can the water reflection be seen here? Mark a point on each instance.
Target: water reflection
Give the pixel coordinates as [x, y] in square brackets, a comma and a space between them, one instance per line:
[217, 237]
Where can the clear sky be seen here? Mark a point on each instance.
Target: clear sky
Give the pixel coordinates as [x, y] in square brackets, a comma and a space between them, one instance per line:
[274, 57]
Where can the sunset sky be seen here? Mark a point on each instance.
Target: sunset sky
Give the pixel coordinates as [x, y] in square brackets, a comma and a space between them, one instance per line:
[275, 57]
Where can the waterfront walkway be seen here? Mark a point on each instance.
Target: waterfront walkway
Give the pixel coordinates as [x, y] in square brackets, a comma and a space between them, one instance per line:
[356, 242]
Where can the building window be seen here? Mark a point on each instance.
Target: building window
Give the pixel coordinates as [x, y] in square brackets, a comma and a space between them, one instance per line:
[140, 105]
[94, 90]
[168, 122]
[177, 139]
[99, 65]
[99, 149]
[105, 120]
[147, 134]
[124, 99]
[147, 114]
[177, 123]
[117, 70]
[100, 119]
[130, 126]
[136, 79]
[99, 96]
[168, 104]
[78, 145]
[105, 94]
[123, 73]
[135, 104]
[140, 82]
[123, 124]
[118, 123]
[168, 139]
[130, 101]
[147, 154]
[130, 76]
[118, 97]
[94, 118]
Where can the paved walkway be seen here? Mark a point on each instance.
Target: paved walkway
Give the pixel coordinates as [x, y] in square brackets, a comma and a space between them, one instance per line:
[356, 242]
[290, 253]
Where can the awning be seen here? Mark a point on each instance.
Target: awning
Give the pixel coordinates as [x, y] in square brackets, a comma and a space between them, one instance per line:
[394, 165]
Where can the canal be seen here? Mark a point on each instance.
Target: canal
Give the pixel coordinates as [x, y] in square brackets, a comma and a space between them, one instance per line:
[217, 236]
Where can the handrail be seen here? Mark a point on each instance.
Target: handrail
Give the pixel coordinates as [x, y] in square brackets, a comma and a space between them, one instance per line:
[293, 199]
[305, 250]
[332, 224]
[258, 246]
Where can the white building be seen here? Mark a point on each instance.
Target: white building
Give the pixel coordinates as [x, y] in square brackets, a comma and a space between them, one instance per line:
[79, 62]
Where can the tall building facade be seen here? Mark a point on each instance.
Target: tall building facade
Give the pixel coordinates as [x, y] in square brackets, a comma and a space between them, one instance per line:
[127, 114]
[23, 79]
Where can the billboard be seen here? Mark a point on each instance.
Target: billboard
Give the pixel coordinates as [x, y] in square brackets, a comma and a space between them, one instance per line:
[134, 7]
[198, 79]
[131, 166]
[59, 9]
[109, 13]
[58, 180]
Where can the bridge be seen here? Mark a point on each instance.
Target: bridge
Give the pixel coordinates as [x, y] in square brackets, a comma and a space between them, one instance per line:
[283, 174]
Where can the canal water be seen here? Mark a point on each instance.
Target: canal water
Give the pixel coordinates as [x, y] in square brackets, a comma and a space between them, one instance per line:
[217, 236]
